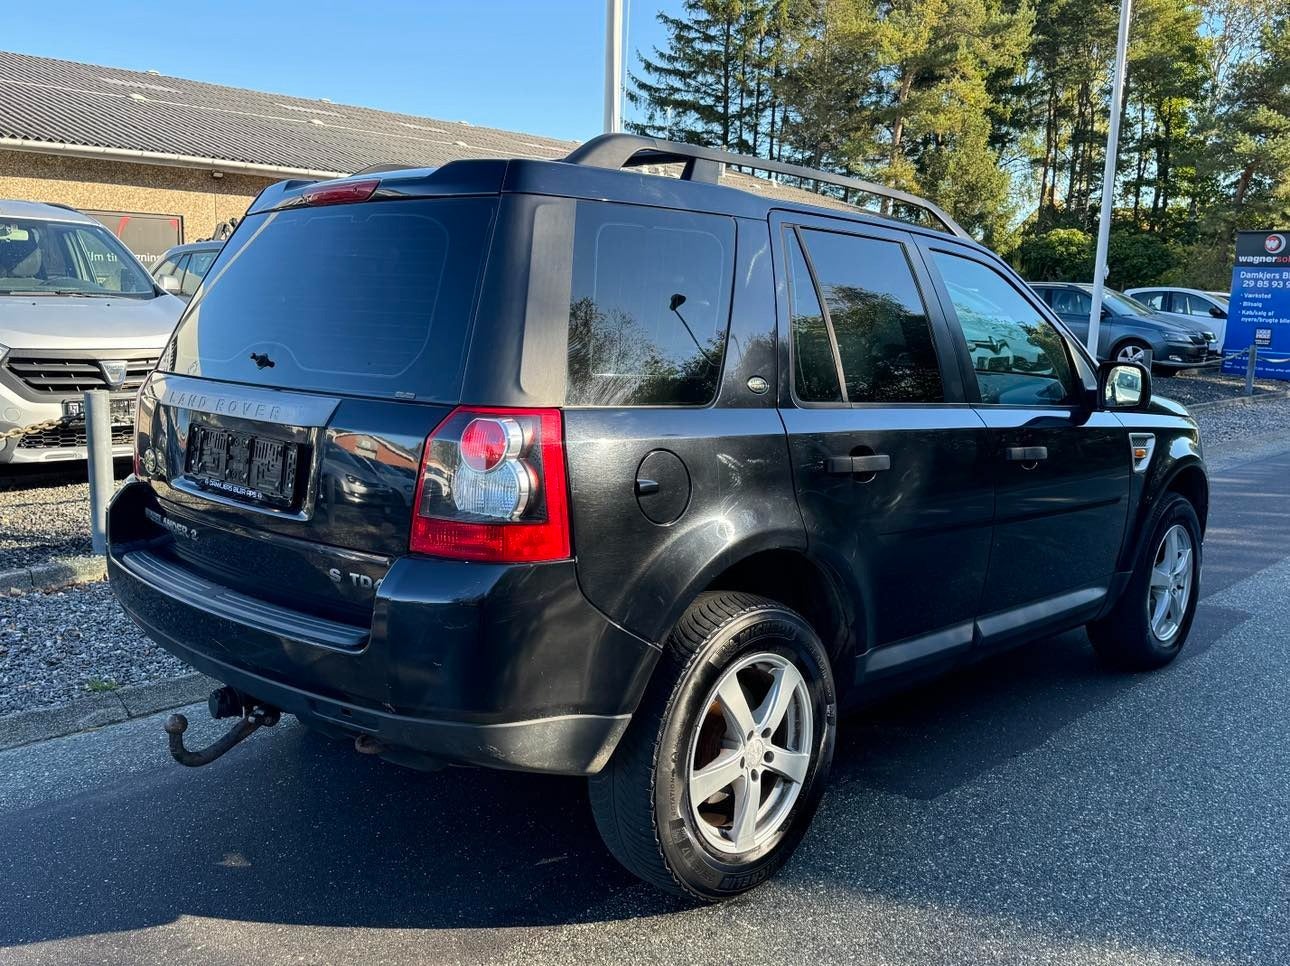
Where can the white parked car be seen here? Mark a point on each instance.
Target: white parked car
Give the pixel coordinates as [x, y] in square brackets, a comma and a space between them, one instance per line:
[1194, 302]
[77, 312]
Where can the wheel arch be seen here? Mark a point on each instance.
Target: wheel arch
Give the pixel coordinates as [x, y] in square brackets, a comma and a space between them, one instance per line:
[1185, 476]
[794, 578]
[1191, 481]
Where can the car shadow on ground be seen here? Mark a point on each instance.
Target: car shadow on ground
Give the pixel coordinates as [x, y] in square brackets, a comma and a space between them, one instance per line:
[294, 828]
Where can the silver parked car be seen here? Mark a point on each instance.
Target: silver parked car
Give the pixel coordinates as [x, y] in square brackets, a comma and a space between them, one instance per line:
[183, 267]
[77, 312]
[1208, 307]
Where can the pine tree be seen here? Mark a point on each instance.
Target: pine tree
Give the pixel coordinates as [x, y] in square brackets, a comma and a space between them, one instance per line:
[706, 86]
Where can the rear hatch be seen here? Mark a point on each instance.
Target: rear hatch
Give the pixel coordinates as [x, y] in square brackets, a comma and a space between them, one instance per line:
[283, 431]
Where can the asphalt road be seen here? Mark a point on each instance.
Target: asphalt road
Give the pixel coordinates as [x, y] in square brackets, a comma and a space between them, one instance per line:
[1037, 809]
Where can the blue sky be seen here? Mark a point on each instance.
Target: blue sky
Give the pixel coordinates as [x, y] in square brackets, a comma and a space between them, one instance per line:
[525, 65]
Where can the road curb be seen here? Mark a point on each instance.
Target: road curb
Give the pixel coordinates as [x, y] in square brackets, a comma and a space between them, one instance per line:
[97, 710]
[59, 572]
[1241, 400]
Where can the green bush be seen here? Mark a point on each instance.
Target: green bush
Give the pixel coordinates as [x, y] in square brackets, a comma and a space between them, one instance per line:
[1058, 255]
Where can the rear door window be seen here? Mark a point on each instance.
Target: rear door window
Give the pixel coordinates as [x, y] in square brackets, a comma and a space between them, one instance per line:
[877, 319]
[650, 305]
[370, 299]
[1189, 304]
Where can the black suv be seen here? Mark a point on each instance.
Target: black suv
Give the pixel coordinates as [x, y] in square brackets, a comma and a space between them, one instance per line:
[573, 468]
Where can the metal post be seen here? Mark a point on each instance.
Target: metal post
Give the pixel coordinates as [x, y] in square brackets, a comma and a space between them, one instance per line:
[1108, 177]
[613, 66]
[1250, 366]
[98, 434]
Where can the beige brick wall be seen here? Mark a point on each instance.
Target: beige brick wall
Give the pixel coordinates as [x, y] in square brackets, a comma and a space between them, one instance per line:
[201, 200]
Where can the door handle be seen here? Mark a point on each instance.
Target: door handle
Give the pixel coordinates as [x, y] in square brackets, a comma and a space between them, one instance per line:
[848, 465]
[1026, 454]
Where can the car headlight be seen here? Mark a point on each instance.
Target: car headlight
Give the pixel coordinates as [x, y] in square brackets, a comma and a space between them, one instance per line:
[4, 353]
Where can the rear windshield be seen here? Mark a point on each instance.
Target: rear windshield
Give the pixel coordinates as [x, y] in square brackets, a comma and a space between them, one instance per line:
[369, 299]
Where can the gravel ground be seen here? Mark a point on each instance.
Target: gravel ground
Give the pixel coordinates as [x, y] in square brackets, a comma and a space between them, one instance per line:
[55, 647]
[1225, 425]
[41, 517]
[1207, 385]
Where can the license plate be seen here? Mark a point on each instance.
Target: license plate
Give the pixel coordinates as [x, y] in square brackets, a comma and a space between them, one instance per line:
[258, 469]
[120, 411]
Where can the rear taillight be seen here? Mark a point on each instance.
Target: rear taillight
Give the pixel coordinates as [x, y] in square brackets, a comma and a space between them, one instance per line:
[341, 194]
[493, 487]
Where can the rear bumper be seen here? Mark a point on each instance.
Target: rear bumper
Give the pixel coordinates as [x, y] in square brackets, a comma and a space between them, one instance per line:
[501, 666]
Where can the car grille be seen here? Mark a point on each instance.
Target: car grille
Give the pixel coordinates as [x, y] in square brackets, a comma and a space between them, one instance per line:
[70, 376]
[62, 437]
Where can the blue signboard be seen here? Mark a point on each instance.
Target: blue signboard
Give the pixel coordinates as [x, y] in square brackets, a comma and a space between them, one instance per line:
[1259, 313]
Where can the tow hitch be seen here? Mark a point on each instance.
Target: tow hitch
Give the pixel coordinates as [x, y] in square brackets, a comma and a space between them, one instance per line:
[224, 703]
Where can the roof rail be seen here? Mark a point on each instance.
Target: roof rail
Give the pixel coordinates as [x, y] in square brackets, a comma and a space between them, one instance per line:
[704, 164]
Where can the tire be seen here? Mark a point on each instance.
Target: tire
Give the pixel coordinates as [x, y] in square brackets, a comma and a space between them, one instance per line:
[1128, 637]
[642, 800]
[1124, 351]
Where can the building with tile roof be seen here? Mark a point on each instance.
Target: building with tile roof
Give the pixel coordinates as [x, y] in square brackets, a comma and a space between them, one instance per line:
[163, 160]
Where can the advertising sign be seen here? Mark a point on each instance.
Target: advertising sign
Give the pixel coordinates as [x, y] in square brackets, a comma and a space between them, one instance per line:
[148, 236]
[1259, 313]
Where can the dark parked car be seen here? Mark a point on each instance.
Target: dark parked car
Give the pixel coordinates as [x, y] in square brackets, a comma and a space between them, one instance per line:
[185, 266]
[1130, 329]
[634, 477]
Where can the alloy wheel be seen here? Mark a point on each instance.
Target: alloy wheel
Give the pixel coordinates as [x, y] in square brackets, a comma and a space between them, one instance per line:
[1169, 590]
[750, 753]
[1132, 353]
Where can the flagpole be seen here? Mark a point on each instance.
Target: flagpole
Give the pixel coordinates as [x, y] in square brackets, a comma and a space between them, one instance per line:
[1108, 176]
[613, 65]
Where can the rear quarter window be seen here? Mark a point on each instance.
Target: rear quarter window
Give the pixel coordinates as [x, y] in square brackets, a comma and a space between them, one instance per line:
[650, 305]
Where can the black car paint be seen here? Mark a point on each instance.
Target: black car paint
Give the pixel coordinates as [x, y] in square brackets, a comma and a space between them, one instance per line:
[950, 552]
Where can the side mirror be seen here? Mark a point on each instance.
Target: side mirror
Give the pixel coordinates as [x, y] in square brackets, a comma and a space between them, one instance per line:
[1106, 313]
[169, 284]
[1216, 312]
[1124, 386]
